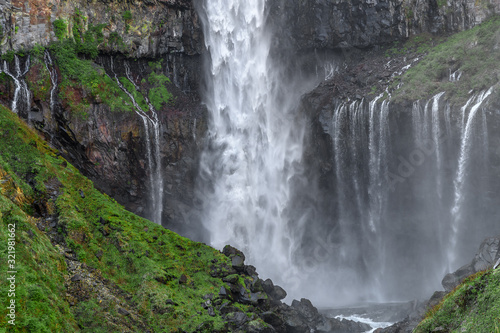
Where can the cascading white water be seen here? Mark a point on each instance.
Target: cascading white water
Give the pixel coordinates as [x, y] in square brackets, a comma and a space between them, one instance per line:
[157, 184]
[463, 168]
[391, 206]
[21, 93]
[152, 150]
[53, 77]
[255, 141]
[436, 134]
[402, 214]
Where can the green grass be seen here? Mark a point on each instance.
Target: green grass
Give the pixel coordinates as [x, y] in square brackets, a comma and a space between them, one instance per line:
[474, 306]
[474, 52]
[141, 259]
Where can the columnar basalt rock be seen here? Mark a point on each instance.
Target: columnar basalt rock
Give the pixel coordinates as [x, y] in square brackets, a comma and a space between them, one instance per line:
[361, 24]
[142, 29]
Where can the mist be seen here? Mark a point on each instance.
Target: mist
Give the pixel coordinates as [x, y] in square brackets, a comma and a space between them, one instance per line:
[343, 201]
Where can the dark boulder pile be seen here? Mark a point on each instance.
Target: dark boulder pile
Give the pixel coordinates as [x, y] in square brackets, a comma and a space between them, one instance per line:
[243, 286]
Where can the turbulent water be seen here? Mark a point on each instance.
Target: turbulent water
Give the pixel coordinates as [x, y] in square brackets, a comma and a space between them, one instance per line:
[404, 210]
[255, 139]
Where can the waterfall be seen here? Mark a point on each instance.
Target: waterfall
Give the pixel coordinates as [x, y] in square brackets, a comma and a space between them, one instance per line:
[255, 141]
[436, 136]
[378, 171]
[468, 132]
[152, 129]
[397, 183]
[403, 195]
[21, 103]
[157, 184]
[53, 78]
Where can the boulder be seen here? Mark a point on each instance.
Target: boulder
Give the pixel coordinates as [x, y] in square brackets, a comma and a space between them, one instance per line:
[305, 308]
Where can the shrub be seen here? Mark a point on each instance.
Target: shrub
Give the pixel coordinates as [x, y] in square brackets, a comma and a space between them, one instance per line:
[127, 15]
[60, 28]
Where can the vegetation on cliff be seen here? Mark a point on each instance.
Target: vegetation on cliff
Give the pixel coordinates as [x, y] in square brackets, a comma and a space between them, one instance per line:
[83, 80]
[474, 306]
[86, 264]
[464, 62]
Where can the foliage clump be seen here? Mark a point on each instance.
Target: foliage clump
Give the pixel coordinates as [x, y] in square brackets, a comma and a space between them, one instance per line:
[60, 28]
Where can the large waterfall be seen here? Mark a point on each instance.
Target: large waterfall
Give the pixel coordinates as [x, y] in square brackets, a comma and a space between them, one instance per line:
[403, 194]
[255, 139]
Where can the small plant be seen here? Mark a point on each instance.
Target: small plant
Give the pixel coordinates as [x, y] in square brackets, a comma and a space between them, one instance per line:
[8, 56]
[115, 39]
[37, 51]
[127, 16]
[60, 28]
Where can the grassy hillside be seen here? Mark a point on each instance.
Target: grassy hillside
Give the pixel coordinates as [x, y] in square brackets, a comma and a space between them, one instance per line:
[86, 264]
[474, 306]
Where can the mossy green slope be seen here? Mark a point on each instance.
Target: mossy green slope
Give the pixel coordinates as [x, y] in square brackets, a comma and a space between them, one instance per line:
[474, 306]
[83, 262]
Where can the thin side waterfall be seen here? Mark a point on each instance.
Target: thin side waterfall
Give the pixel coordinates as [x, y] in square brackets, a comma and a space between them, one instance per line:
[358, 141]
[152, 150]
[255, 142]
[21, 103]
[436, 134]
[378, 133]
[157, 186]
[463, 169]
[53, 78]
[341, 167]
[361, 143]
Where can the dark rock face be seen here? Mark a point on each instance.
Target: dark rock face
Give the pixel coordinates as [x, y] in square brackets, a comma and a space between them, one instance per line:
[354, 23]
[109, 146]
[150, 30]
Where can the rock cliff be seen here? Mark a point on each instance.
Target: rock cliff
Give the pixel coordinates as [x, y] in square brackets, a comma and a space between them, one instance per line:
[110, 146]
[98, 130]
